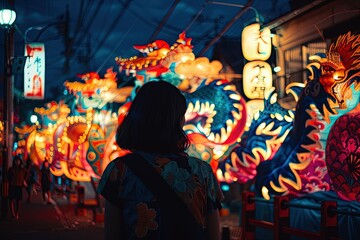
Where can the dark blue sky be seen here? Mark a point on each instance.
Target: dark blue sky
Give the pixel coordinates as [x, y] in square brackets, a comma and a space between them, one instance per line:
[100, 30]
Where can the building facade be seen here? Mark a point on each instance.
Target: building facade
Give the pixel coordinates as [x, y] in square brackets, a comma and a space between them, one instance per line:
[308, 30]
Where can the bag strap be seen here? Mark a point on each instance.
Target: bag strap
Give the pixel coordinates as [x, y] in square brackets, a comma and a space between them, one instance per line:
[166, 196]
[174, 206]
[152, 180]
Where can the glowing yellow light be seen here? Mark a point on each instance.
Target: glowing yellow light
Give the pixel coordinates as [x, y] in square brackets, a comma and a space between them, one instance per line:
[265, 193]
[184, 58]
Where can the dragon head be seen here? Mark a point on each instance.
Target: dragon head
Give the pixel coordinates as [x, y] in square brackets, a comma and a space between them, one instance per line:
[341, 68]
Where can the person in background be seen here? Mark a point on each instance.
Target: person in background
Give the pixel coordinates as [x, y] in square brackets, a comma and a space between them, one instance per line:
[16, 175]
[46, 181]
[153, 129]
[31, 179]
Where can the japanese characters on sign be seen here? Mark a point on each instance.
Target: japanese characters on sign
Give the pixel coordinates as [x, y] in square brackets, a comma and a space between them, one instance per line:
[256, 48]
[257, 80]
[34, 71]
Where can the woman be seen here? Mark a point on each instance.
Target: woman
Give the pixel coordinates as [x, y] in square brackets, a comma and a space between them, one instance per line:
[153, 130]
[17, 181]
[46, 180]
[31, 179]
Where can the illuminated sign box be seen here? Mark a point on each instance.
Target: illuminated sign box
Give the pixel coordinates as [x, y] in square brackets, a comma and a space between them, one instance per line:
[34, 71]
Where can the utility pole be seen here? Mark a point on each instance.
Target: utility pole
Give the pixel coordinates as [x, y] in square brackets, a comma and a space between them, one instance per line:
[8, 105]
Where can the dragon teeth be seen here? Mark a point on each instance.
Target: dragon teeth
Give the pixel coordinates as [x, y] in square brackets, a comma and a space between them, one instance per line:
[230, 87]
[229, 125]
[236, 115]
[291, 114]
[273, 99]
[217, 138]
[202, 109]
[209, 120]
[197, 106]
[190, 107]
[279, 117]
[207, 106]
[238, 106]
[224, 134]
[256, 115]
[288, 119]
[211, 137]
[235, 97]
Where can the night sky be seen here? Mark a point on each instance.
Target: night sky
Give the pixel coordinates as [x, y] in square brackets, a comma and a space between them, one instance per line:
[100, 30]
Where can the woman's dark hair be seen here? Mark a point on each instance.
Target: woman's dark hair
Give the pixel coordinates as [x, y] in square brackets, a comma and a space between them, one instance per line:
[155, 120]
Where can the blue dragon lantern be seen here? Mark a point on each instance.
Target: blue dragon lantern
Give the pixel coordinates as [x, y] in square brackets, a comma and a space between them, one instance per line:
[216, 114]
[296, 165]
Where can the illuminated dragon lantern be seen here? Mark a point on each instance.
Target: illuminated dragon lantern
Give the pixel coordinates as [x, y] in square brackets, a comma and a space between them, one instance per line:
[95, 92]
[80, 139]
[297, 165]
[343, 143]
[265, 132]
[36, 140]
[216, 114]
[73, 139]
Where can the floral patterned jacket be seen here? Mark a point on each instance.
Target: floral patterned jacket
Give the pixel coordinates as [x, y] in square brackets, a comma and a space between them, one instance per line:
[191, 178]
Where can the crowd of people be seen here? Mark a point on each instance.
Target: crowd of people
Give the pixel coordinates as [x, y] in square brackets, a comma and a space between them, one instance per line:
[33, 179]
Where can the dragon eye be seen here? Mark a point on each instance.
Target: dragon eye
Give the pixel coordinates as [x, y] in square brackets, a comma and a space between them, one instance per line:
[338, 74]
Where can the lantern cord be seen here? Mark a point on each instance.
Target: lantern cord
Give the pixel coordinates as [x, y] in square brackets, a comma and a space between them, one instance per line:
[322, 36]
[257, 15]
[17, 29]
[197, 16]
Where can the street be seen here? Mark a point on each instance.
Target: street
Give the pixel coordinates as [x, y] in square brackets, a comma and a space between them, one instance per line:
[57, 220]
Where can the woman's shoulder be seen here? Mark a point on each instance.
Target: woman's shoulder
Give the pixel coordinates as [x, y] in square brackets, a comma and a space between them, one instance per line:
[200, 163]
[115, 169]
[199, 167]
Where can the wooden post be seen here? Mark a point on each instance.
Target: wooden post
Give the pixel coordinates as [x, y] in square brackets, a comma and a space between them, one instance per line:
[248, 212]
[329, 220]
[281, 217]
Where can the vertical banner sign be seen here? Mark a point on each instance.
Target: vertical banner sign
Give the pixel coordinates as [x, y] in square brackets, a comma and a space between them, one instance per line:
[34, 71]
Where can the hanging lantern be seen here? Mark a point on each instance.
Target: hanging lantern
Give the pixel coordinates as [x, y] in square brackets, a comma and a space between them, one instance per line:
[256, 42]
[257, 79]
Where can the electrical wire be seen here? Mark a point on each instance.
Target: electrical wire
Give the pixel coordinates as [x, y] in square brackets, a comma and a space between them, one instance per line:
[164, 20]
[112, 26]
[78, 43]
[117, 46]
[197, 15]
